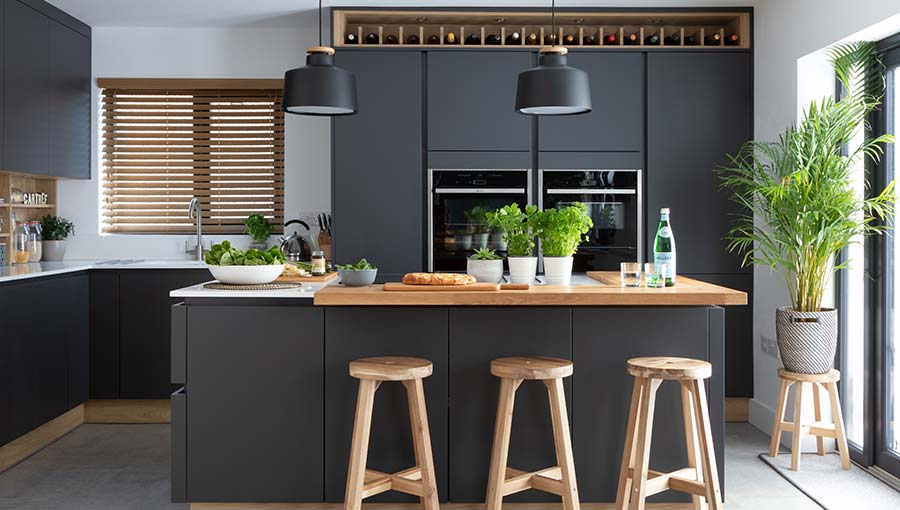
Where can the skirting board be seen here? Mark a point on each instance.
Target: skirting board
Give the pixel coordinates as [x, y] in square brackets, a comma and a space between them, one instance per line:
[737, 410]
[127, 411]
[417, 506]
[23, 447]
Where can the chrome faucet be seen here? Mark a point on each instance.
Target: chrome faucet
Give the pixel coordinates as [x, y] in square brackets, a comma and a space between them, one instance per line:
[194, 210]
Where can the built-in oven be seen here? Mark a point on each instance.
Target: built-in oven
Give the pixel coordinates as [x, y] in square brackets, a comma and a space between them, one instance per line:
[458, 200]
[614, 203]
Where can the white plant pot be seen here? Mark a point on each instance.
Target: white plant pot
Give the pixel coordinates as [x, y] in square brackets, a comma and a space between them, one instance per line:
[464, 242]
[558, 270]
[496, 242]
[53, 251]
[522, 269]
[487, 271]
[480, 240]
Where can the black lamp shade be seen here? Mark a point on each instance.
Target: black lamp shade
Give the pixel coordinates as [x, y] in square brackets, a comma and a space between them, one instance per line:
[319, 88]
[553, 88]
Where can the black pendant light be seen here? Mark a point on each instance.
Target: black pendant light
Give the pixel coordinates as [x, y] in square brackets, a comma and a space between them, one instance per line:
[319, 88]
[553, 88]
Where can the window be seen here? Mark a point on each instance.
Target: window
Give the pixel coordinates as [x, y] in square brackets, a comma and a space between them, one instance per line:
[166, 141]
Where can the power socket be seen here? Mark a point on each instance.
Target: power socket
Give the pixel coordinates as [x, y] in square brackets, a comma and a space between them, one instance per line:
[769, 346]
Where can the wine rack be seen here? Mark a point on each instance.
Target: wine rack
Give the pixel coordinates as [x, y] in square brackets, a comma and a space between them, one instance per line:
[450, 29]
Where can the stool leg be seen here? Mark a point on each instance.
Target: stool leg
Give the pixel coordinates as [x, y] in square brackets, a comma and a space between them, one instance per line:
[838, 418]
[502, 428]
[623, 494]
[707, 452]
[779, 417]
[644, 435]
[563, 443]
[359, 449]
[798, 427]
[418, 417]
[691, 440]
[817, 410]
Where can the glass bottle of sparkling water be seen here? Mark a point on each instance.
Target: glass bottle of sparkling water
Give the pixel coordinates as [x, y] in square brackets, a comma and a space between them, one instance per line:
[664, 247]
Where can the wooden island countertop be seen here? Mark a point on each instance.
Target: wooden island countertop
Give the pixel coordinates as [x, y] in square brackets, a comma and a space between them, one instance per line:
[607, 292]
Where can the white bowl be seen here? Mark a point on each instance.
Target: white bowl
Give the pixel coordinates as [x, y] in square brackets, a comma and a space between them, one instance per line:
[246, 275]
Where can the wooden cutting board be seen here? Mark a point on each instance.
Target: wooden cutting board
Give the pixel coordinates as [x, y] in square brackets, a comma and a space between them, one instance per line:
[475, 287]
[308, 279]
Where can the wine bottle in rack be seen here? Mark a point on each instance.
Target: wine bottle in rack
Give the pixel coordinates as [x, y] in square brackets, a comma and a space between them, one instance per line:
[514, 39]
[589, 40]
[413, 39]
[691, 40]
[713, 39]
[493, 39]
[372, 38]
[610, 39]
[391, 39]
[651, 40]
[673, 39]
[434, 39]
[631, 39]
[450, 38]
[550, 40]
[531, 40]
[569, 39]
[473, 39]
[351, 39]
[732, 40]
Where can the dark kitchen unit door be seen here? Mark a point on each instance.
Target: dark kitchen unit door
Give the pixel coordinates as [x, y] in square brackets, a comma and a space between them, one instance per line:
[471, 101]
[617, 94]
[378, 176]
[699, 109]
[70, 102]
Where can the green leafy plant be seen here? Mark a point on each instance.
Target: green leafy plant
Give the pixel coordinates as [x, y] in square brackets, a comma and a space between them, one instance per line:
[224, 254]
[476, 216]
[362, 265]
[562, 230]
[800, 205]
[258, 228]
[56, 228]
[517, 226]
[485, 254]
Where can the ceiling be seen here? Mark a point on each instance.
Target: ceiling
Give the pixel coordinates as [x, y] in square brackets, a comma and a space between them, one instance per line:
[285, 13]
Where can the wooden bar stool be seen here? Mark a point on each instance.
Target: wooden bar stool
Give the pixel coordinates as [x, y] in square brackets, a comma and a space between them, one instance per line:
[418, 480]
[818, 428]
[560, 479]
[700, 479]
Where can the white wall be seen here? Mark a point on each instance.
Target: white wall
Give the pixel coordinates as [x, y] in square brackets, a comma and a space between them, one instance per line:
[199, 53]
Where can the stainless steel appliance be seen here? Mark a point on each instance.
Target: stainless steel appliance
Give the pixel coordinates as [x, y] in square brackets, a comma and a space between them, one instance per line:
[457, 202]
[614, 202]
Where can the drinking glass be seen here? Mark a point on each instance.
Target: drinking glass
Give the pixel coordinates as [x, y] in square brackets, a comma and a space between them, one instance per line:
[631, 274]
[655, 275]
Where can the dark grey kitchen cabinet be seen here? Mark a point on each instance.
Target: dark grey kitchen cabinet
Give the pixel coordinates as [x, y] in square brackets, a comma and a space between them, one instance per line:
[378, 176]
[352, 333]
[70, 102]
[104, 348]
[699, 108]
[477, 336]
[617, 120]
[26, 110]
[254, 404]
[471, 101]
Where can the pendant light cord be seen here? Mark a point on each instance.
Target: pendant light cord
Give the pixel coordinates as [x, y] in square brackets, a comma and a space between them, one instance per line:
[552, 21]
[320, 22]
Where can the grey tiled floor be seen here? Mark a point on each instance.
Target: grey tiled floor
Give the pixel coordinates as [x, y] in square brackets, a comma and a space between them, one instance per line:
[100, 467]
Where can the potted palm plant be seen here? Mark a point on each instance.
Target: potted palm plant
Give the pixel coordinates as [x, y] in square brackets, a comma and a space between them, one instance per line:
[560, 232]
[54, 231]
[518, 229]
[802, 207]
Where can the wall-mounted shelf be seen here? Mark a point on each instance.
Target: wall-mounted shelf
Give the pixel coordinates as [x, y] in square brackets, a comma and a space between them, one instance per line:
[32, 206]
[10, 212]
[530, 30]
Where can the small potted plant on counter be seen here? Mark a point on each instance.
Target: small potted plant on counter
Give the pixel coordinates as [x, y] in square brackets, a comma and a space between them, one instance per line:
[485, 265]
[518, 233]
[259, 229]
[560, 232]
[802, 208]
[54, 231]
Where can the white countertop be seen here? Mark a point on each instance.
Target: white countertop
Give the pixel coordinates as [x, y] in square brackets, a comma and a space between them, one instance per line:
[36, 269]
[306, 291]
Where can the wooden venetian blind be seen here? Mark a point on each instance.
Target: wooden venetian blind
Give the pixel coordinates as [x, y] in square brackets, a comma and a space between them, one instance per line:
[166, 141]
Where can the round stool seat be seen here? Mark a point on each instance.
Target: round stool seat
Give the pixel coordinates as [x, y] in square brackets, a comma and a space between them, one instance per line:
[830, 376]
[672, 369]
[534, 368]
[390, 368]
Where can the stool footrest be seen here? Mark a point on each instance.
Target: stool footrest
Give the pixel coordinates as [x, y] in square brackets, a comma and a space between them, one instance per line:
[682, 480]
[817, 428]
[408, 481]
[547, 480]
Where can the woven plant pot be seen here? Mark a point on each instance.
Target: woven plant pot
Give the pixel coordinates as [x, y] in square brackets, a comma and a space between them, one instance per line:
[807, 341]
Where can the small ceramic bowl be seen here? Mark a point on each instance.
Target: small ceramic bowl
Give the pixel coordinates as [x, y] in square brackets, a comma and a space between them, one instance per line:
[358, 278]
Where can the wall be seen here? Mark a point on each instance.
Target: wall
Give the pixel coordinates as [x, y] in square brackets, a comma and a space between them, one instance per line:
[200, 53]
[785, 32]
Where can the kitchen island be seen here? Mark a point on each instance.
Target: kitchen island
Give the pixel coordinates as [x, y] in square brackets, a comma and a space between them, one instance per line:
[266, 411]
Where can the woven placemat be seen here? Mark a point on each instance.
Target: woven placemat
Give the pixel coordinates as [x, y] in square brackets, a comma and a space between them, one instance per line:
[264, 286]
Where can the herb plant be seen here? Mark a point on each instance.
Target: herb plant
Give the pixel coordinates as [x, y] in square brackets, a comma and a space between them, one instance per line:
[478, 223]
[56, 228]
[362, 265]
[226, 255]
[258, 228]
[801, 208]
[485, 254]
[517, 226]
[562, 230]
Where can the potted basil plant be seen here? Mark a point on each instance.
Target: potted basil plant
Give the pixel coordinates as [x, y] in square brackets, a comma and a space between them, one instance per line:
[518, 229]
[485, 265]
[561, 231]
[479, 227]
[54, 231]
[802, 207]
[259, 229]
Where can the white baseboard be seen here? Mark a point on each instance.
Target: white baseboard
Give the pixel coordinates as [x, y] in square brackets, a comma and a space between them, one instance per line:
[763, 418]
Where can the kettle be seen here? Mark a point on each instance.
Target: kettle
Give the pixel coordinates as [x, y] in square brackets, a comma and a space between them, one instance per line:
[295, 246]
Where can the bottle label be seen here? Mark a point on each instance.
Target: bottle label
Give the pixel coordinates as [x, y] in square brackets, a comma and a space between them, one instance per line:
[667, 258]
[665, 231]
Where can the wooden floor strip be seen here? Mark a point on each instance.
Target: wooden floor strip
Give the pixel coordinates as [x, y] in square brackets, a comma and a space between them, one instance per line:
[23, 447]
[737, 410]
[127, 411]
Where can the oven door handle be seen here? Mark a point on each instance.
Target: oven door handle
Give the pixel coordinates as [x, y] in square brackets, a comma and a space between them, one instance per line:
[610, 191]
[470, 191]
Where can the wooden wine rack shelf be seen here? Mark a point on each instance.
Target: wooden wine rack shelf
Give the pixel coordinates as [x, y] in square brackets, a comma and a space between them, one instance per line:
[401, 24]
